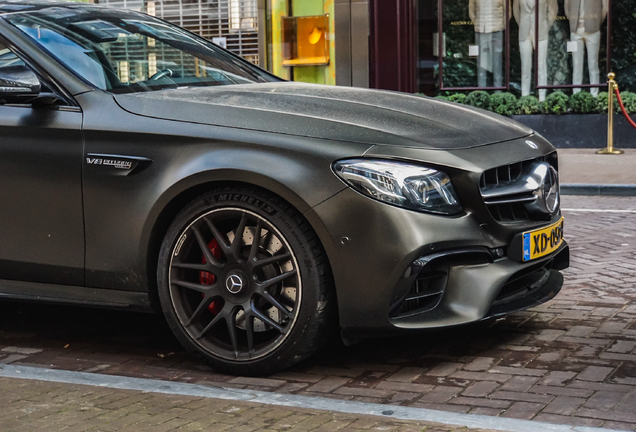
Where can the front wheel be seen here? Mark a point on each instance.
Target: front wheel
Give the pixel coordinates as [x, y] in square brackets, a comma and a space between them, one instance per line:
[244, 282]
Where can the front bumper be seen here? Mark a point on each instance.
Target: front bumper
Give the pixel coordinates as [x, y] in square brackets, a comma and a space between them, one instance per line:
[372, 249]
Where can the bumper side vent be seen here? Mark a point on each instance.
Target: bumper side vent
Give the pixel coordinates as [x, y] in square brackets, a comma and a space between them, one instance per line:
[425, 294]
[424, 286]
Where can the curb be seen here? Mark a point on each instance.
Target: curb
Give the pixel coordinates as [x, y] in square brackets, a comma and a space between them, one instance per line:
[599, 190]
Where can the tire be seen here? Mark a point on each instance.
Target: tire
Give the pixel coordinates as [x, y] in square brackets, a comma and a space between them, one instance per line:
[248, 307]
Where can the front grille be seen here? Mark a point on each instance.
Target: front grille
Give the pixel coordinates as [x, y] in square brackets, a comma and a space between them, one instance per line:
[512, 207]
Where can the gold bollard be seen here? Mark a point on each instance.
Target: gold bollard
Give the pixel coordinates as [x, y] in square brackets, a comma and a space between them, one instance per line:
[611, 85]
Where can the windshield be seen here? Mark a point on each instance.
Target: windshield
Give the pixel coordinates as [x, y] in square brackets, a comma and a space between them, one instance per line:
[125, 52]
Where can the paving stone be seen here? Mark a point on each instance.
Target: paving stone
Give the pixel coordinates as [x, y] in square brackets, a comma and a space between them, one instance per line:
[623, 347]
[604, 401]
[480, 389]
[576, 421]
[549, 335]
[523, 410]
[410, 387]
[328, 384]
[481, 376]
[519, 383]
[480, 364]
[297, 376]
[621, 357]
[600, 386]
[444, 369]
[628, 404]
[521, 396]
[408, 374]
[595, 373]
[558, 378]
[366, 392]
[580, 331]
[493, 412]
[564, 405]
[627, 417]
[518, 371]
[443, 407]
[619, 426]
[488, 403]
[440, 394]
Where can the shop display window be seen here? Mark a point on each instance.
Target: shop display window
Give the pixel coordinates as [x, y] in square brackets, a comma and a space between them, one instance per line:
[305, 40]
[521, 46]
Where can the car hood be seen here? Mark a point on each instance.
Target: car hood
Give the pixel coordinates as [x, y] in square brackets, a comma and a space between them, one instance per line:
[328, 112]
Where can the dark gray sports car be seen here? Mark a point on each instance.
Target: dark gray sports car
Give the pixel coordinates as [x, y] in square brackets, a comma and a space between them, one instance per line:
[142, 167]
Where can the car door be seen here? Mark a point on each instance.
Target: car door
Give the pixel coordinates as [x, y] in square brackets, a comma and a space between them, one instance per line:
[41, 219]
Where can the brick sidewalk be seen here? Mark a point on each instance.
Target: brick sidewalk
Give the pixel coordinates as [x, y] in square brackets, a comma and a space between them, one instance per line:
[45, 406]
[570, 361]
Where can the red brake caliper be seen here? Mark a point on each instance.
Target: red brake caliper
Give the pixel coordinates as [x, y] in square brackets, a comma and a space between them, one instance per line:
[207, 278]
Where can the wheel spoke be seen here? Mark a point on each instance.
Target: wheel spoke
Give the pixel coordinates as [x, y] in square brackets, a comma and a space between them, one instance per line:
[273, 281]
[231, 328]
[205, 289]
[270, 260]
[235, 247]
[207, 253]
[212, 323]
[249, 328]
[256, 240]
[276, 304]
[258, 314]
[191, 266]
[220, 238]
[205, 302]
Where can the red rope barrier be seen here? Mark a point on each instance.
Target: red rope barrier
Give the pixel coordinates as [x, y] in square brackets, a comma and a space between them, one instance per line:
[620, 102]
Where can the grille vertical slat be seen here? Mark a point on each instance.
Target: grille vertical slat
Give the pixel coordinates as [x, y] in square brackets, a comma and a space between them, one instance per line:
[514, 211]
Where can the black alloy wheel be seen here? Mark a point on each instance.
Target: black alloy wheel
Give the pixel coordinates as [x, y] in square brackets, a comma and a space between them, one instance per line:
[237, 274]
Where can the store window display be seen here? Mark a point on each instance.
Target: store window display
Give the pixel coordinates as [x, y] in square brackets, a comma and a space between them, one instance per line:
[525, 15]
[524, 47]
[586, 17]
[489, 20]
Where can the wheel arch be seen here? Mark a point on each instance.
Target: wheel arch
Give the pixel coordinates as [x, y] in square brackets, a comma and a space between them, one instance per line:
[188, 189]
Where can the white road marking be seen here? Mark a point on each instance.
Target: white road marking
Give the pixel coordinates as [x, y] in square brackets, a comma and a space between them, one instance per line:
[289, 400]
[598, 210]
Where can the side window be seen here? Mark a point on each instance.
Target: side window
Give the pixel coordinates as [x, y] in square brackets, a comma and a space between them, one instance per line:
[8, 58]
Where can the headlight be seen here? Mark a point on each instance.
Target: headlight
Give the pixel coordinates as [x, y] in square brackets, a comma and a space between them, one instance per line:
[409, 186]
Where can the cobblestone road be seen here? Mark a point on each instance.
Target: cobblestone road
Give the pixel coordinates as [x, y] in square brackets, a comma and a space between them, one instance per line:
[570, 361]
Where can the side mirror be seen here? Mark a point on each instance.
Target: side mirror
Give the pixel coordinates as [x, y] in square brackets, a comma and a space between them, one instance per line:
[18, 84]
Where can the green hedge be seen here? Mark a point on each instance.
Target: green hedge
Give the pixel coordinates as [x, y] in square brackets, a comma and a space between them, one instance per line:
[556, 103]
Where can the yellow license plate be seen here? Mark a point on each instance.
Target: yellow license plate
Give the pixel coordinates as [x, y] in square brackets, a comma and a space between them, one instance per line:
[542, 242]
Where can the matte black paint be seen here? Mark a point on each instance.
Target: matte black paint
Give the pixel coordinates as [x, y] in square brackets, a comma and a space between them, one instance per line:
[41, 222]
[105, 227]
[339, 113]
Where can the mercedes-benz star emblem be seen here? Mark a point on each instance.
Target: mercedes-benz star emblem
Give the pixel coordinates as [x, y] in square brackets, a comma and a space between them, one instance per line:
[551, 190]
[234, 284]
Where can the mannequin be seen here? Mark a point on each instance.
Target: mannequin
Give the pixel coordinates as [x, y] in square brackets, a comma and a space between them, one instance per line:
[524, 13]
[489, 18]
[586, 17]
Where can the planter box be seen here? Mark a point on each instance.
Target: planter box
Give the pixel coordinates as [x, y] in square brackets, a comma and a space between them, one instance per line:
[581, 130]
